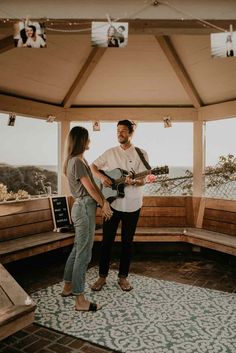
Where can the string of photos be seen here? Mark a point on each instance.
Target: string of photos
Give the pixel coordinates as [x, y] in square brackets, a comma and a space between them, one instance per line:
[114, 33]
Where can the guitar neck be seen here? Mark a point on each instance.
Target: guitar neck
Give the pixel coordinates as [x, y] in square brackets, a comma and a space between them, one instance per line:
[136, 176]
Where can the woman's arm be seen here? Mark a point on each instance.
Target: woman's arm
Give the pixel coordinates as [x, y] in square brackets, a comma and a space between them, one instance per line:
[96, 194]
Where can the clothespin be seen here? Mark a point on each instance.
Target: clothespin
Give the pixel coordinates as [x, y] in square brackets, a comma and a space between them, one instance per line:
[108, 19]
[27, 19]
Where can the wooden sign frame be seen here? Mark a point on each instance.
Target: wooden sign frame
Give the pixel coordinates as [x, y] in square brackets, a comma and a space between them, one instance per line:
[61, 215]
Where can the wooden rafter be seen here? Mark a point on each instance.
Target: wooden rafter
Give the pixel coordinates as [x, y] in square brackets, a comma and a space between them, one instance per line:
[6, 44]
[136, 26]
[178, 67]
[89, 65]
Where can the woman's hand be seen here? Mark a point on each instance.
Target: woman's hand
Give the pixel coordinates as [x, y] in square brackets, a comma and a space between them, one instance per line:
[106, 211]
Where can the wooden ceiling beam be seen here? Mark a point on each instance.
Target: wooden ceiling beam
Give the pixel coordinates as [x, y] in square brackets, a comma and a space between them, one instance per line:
[136, 26]
[139, 113]
[6, 44]
[172, 56]
[29, 107]
[40, 110]
[218, 111]
[88, 67]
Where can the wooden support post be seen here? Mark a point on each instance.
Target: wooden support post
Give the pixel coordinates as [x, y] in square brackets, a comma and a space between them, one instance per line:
[64, 128]
[198, 158]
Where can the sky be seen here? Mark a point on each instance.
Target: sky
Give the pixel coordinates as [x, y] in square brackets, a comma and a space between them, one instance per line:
[34, 141]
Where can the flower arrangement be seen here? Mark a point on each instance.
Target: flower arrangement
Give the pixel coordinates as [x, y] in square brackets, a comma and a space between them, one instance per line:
[3, 192]
[22, 194]
[9, 196]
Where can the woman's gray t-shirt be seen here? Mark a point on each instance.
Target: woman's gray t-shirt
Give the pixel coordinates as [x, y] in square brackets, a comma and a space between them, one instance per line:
[76, 169]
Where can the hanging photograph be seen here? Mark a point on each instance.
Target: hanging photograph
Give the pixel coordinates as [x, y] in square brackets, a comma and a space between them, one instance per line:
[96, 125]
[29, 34]
[105, 34]
[223, 44]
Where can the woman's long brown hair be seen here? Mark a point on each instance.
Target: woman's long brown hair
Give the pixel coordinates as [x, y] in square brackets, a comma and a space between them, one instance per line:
[76, 144]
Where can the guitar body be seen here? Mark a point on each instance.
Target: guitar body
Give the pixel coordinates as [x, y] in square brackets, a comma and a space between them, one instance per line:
[117, 189]
[117, 176]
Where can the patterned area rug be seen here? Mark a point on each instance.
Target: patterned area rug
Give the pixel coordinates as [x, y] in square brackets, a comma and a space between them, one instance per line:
[156, 317]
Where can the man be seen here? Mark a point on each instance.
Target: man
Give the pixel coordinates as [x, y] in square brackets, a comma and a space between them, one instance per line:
[120, 35]
[124, 209]
[34, 40]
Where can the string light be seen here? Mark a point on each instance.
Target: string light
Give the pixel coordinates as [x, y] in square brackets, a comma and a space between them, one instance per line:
[147, 3]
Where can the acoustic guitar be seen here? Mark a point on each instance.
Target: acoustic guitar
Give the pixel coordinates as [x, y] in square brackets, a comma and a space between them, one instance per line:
[118, 176]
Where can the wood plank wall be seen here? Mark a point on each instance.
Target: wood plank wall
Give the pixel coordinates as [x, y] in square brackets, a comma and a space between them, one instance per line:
[22, 218]
[220, 216]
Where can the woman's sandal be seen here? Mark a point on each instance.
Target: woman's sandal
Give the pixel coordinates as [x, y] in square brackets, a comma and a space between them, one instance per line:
[92, 307]
[66, 294]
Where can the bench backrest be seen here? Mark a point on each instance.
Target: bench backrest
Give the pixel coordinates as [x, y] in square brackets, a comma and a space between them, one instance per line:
[22, 218]
[164, 211]
[220, 216]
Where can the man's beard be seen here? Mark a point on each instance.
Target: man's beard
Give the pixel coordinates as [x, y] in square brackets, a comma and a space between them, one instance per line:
[123, 141]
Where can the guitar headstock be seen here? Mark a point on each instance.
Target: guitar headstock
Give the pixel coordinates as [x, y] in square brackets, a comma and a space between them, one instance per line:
[160, 170]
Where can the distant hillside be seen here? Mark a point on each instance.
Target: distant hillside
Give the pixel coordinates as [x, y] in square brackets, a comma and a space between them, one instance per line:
[32, 179]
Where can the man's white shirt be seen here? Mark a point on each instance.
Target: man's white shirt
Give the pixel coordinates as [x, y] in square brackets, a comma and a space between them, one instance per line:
[129, 160]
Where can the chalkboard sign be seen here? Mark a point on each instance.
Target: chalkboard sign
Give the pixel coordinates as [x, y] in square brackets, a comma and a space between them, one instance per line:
[60, 212]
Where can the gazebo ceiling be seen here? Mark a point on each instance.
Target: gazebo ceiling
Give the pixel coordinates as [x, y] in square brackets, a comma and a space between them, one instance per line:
[155, 69]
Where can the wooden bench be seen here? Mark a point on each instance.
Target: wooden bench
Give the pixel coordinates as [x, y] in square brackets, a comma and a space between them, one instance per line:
[209, 223]
[15, 312]
[216, 226]
[26, 229]
[162, 219]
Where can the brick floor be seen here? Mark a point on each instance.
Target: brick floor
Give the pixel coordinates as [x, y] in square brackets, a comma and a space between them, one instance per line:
[207, 269]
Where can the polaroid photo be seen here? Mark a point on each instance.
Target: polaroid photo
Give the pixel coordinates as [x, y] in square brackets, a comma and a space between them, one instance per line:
[223, 44]
[29, 34]
[96, 126]
[167, 122]
[105, 34]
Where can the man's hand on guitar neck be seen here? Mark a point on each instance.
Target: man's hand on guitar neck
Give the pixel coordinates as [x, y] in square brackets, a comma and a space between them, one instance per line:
[130, 181]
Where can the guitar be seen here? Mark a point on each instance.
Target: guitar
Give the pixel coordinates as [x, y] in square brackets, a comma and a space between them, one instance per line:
[118, 176]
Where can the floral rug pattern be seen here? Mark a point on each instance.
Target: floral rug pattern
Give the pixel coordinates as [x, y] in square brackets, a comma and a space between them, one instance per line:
[155, 317]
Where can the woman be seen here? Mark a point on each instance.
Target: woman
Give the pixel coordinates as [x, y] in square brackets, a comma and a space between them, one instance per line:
[87, 195]
[112, 40]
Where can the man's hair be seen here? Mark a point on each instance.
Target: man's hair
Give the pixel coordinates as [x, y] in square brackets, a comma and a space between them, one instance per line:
[122, 27]
[130, 125]
[33, 28]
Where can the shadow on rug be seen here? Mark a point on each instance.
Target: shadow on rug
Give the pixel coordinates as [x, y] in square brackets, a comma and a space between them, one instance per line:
[155, 317]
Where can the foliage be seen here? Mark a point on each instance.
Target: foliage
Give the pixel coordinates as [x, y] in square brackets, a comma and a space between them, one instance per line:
[224, 172]
[30, 179]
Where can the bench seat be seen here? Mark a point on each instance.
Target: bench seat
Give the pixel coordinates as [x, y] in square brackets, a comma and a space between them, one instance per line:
[212, 240]
[19, 248]
[15, 314]
[150, 234]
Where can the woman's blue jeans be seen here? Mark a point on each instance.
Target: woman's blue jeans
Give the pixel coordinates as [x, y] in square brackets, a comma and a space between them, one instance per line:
[83, 215]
